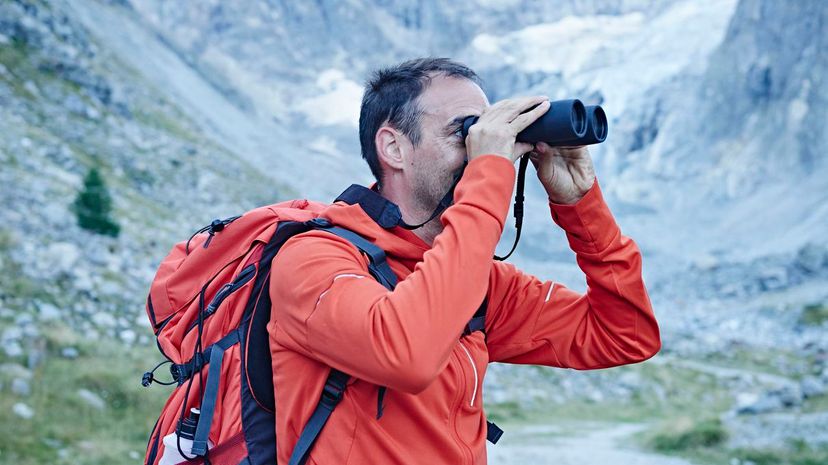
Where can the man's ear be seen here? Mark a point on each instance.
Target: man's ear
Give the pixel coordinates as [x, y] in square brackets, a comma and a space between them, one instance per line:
[391, 147]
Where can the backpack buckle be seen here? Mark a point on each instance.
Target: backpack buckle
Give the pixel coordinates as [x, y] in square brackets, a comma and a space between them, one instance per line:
[320, 222]
[331, 395]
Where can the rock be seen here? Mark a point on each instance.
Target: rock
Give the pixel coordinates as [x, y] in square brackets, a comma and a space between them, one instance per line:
[23, 411]
[91, 399]
[753, 403]
[811, 258]
[21, 387]
[32, 88]
[37, 354]
[83, 280]
[12, 334]
[49, 312]
[812, 386]
[63, 256]
[23, 320]
[706, 262]
[790, 396]
[110, 288]
[103, 319]
[13, 370]
[75, 104]
[13, 349]
[773, 278]
[69, 352]
[128, 336]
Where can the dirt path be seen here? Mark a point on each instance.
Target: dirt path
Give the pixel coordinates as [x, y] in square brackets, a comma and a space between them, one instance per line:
[581, 444]
[724, 372]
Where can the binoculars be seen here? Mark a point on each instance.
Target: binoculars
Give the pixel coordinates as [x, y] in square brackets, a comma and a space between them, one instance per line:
[566, 123]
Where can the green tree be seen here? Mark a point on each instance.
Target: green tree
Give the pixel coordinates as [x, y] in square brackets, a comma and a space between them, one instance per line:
[93, 206]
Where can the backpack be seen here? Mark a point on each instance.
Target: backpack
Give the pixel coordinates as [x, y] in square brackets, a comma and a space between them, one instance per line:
[209, 307]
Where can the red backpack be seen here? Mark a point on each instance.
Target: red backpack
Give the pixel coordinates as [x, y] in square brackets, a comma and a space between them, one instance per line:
[209, 307]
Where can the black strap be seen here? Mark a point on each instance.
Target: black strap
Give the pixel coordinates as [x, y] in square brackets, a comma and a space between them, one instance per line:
[518, 208]
[377, 266]
[478, 320]
[444, 203]
[332, 393]
[384, 212]
[208, 402]
[493, 432]
[381, 401]
[181, 372]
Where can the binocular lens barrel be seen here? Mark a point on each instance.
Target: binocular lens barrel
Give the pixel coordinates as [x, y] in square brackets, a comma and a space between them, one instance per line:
[567, 123]
[597, 127]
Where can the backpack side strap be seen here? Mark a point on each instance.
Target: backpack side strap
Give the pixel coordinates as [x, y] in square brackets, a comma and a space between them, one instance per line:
[208, 402]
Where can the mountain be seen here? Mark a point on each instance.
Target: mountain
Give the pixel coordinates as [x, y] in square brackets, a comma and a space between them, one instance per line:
[715, 165]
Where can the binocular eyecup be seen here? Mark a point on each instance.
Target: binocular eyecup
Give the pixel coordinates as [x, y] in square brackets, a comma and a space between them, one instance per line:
[566, 123]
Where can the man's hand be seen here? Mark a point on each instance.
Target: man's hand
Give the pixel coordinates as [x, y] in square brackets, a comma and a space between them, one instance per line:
[495, 131]
[565, 172]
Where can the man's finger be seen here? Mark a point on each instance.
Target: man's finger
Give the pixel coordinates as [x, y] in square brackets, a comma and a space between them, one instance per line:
[523, 148]
[509, 109]
[524, 105]
[522, 121]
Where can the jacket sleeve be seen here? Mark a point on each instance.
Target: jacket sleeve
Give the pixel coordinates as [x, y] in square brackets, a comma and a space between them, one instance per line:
[545, 323]
[328, 308]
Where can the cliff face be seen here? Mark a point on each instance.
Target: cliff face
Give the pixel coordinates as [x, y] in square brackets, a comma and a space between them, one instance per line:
[68, 104]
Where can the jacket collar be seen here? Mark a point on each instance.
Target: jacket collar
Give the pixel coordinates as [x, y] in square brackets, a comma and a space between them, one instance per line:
[384, 212]
[364, 211]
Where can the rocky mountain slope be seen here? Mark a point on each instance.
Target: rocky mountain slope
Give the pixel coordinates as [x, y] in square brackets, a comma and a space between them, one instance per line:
[715, 165]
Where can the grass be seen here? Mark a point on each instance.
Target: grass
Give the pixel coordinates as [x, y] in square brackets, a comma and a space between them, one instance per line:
[789, 456]
[815, 404]
[14, 57]
[683, 390]
[814, 314]
[704, 441]
[685, 434]
[67, 430]
[763, 360]
[165, 123]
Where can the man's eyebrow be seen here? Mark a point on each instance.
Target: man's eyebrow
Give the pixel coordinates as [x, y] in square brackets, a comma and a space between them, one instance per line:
[457, 122]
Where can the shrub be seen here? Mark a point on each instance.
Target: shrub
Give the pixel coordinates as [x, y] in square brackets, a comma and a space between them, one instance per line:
[690, 435]
[814, 314]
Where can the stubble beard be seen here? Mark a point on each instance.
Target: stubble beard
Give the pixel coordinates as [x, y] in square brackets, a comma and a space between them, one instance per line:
[429, 191]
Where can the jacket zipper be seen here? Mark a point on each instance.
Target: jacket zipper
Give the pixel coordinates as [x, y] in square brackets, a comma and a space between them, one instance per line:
[474, 370]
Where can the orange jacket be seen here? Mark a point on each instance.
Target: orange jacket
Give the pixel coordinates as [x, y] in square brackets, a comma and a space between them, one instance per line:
[329, 312]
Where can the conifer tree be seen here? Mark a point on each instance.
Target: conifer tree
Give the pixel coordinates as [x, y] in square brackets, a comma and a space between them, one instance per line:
[93, 206]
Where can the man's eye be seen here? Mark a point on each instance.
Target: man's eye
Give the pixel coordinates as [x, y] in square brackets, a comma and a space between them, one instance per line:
[459, 133]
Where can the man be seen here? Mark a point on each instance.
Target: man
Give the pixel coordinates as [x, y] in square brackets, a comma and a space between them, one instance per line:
[330, 313]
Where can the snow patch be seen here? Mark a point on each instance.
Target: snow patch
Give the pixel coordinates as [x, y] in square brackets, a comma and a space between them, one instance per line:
[338, 102]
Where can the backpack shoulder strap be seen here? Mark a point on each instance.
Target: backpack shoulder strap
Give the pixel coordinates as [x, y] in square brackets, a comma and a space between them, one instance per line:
[478, 321]
[335, 385]
[337, 381]
[377, 265]
[331, 395]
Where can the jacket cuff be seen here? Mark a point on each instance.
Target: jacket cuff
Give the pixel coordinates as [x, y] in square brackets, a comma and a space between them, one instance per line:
[487, 184]
[589, 224]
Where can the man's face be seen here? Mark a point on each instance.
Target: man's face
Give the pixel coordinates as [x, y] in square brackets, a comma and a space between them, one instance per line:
[441, 151]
